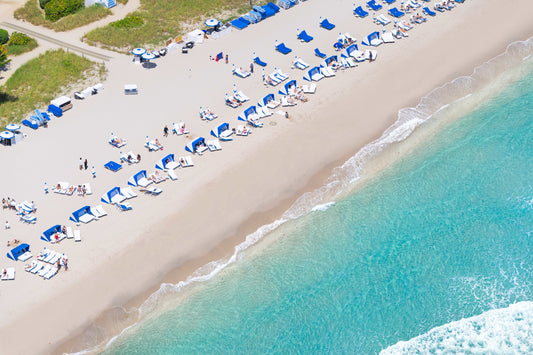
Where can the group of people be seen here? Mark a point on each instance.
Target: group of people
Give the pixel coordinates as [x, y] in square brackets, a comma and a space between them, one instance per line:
[9, 203]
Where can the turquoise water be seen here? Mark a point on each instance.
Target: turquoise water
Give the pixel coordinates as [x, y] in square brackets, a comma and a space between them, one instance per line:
[445, 234]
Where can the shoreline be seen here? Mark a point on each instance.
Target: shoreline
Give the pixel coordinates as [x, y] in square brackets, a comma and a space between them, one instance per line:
[314, 162]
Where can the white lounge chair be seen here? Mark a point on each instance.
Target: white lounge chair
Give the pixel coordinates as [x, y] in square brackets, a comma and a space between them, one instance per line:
[179, 128]
[27, 255]
[46, 269]
[129, 157]
[214, 145]
[98, 211]
[186, 161]
[51, 273]
[70, 235]
[88, 189]
[239, 96]
[387, 37]
[309, 89]
[243, 131]
[263, 111]
[77, 235]
[172, 175]
[286, 101]
[327, 72]
[128, 192]
[8, 274]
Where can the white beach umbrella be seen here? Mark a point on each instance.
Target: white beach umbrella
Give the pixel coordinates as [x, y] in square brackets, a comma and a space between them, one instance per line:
[212, 22]
[7, 135]
[138, 51]
[148, 56]
[13, 127]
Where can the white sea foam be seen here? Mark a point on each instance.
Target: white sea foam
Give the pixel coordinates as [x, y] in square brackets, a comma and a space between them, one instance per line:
[323, 207]
[344, 176]
[499, 331]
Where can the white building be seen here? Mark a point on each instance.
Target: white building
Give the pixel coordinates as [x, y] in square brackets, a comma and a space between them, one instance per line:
[107, 3]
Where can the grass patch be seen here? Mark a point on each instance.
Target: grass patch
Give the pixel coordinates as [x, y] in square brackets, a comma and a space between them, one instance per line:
[42, 79]
[163, 20]
[14, 49]
[32, 13]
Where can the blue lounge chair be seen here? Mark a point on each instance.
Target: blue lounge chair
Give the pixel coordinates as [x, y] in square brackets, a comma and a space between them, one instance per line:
[428, 11]
[268, 11]
[372, 4]
[237, 23]
[327, 25]
[114, 167]
[258, 61]
[318, 53]
[282, 48]
[359, 12]
[304, 37]
[389, 1]
[396, 13]
[273, 6]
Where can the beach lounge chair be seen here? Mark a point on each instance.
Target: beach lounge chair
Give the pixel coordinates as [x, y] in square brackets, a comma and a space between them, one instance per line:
[413, 4]
[270, 101]
[243, 131]
[372, 5]
[77, 235]
[388, 37]
[152, 190]
[304, 37]
[359, 12]
[258, 61]
[439, 7]
[186, 161]
[327, 71]
[240, 72]
[389, 1]
[287, 101]
[45, 270]
[172, 175]
[282, 48]
[214, 145]
[28, 218]
[33, 266]
[124, 206]
[8, 274]
[129, 157]
[404, 25]
[263, 111]
[51, 273]
[300, 64]
[117, 142]
[152, 146]
[114, 167]
[157, 177]
[231, 101]
[326, 24]
[309, 89]
[70, 234]
[207, 114]
[98, 211]
[382, 20]
[396, 13]
[428, 11]
[128, 192]
[239, 96]
[318, 53]
[179, 128]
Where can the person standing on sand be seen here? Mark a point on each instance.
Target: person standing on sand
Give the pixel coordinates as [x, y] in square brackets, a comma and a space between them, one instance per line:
[85, 164]
[252, 68]
[165, 131]
[81, 164]
[226, 59]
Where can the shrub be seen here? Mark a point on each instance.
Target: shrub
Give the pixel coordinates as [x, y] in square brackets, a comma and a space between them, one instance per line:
[18, 39]
[56, 9]
[3, 56]
[43, 3]
[130, 21]
[4, 36]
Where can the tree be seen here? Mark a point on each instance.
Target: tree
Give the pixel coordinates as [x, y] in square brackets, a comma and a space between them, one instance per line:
[4, 36]
[3, 56]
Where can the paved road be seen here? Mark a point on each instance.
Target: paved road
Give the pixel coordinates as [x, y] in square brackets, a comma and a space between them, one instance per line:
[63, 44]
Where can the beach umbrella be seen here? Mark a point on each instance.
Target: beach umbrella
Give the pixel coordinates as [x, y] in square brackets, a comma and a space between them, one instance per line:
[138, 51]
[13, 127]
[212, 22]
[148, 56]
[7, 135]
[338, 45]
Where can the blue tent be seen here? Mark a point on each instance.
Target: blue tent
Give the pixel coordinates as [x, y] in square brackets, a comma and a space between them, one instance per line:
[47, 234]
[329, 60]
[192, 147]
[167, 162]
[109, 195]
[371, 37]
[313, 74]
[267, 99]
[287, 87]
[326, 24]
[246, 113]
[134, 180]
[18, 251]
[282, 48]
[305, 37]
[221, 128]
[75, 217]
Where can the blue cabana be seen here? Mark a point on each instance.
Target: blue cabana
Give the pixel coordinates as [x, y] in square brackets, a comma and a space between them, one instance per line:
[138, 179]
[168, 162]
[193, 146]
[37, 120]
[114, 167]
[373, 39]
[76, 215]
[318, 53]
[246, 113]
[327, 25]
[349, 50]
[222, 132]
[17, 251]
[283, 49]
[268, 98]
[328, 61]
[47, 234]
[113, 195]
[287, 87]
[313, 74]
[304, 36]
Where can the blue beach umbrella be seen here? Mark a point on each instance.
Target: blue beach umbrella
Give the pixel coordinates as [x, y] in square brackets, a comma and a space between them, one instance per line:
[13, 127]
[138, 51]
[212, 22]
[148, 56]
[7, 135]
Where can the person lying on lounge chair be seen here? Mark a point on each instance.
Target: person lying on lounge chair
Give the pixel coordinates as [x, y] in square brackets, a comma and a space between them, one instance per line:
[158, 144]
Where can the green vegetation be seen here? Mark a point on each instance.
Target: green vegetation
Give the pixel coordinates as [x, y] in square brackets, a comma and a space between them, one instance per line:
[130, 21]
[3, 58]
[163, 20]
[56, 9]
[4, 36]
[20, 43]
[38, 81]
[32, 13]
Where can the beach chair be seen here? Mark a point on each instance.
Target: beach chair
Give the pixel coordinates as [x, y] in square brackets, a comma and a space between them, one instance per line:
[372, 5]
[45, 270]
[241, 72]
[77, 235]
[214, 145]
[382, 20]
[327, 71]
[179, 128]
[8, 274]
[98, 211]
[263, 111]
[243, 131]
[28, 218]
[128, 193]
[152, 146]
[396, 13]
[286, 101]
[172, 175]
[51, 273]
[300, 64]
[389, 1]
[186, 161]
[387, 37]
[258, 61]
[359, 12]
[309, 89]
[239, 96]
[152, 191]
[124, 206]
[318, 53]
[129, 157]
[428, 11]
[304, 37]
[70, 235]
[117, 142]
[326, 24]
[282, 48]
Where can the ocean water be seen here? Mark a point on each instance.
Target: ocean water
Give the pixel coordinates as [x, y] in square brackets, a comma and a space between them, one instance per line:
[433, 254]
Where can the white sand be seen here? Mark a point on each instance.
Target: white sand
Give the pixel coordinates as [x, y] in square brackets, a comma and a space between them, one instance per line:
[227, 193]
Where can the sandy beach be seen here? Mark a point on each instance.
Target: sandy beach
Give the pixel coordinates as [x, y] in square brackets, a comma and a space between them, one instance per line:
[228, 194]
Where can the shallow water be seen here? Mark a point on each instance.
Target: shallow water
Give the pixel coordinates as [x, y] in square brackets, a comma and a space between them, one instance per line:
[432, 255]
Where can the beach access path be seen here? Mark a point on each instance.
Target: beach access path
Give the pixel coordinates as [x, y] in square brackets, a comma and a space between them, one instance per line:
[227, 194]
